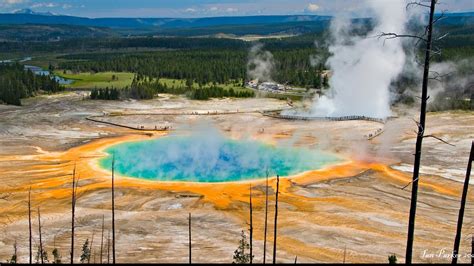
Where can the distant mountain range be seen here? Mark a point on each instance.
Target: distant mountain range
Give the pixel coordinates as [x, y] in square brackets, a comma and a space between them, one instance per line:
[31, 12]
[31, 25]
[27, 16]
[30, 32]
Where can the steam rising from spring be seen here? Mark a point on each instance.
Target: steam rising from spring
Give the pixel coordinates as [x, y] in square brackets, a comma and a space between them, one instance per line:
[260, 64]
[206, 155]
[364, 66]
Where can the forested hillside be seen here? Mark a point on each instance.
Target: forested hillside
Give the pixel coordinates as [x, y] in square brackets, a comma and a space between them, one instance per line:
[35, 33]
[203, 66]
[16, 83]
[76, 45]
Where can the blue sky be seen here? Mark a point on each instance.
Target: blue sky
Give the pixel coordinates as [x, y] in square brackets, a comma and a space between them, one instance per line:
[201, 8]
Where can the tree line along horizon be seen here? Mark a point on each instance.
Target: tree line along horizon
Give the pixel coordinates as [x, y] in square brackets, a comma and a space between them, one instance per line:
[197, 60]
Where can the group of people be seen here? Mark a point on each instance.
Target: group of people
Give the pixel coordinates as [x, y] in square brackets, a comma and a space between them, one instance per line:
[377, 132]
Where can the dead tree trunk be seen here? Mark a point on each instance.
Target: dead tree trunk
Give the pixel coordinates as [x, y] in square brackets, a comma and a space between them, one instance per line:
[29, 225]
[108, 246]
[102, 241]
[73, 210]
[15, 252]
[266, 221]
[344, 258]
[251, 227]
[113, 210]
[419, 138]
[189, 238]
[457, 240]
[40, 237]
[276, 220]
[91, 247]
[472, 250]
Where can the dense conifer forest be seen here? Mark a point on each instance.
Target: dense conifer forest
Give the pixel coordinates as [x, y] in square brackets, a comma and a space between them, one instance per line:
[16, 83]
[203, 66]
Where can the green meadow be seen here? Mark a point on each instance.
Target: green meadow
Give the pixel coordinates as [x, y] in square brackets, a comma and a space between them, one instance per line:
[236, 85]
[98, 80]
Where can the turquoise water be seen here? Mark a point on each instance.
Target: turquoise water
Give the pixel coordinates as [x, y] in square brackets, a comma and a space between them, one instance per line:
[41, 72]
[210, 159]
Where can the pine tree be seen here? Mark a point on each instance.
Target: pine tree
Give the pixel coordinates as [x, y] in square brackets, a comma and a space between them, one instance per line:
[86, 252]
[189, 83]
[56, 256]
[16, 83]
[240, 254]
[392, 259]
[94, 94]
[326, 81]
[13, 260]
[41, 256]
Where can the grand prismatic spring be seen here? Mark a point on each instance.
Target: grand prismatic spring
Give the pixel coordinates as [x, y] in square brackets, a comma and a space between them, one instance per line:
[210, 159]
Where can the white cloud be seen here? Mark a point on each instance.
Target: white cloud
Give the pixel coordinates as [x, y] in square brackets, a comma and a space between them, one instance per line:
[12, 2]
[210, 10]
[231, 10]
[39, 5]
[312, 7]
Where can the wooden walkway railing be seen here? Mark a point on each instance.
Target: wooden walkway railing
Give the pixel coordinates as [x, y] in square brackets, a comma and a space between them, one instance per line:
[330, 118]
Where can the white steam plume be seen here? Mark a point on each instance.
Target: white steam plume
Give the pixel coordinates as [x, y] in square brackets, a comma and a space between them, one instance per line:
[364, 67]
[260, 64]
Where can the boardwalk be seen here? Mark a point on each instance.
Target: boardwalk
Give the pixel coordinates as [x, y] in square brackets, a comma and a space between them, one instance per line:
[330, 118]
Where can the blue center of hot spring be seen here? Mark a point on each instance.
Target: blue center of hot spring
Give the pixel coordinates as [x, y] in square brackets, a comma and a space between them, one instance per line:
[210, 159]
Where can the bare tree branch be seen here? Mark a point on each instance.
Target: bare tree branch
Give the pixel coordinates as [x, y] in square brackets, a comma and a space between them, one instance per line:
[403, 188]
[416, 3]
[442, 37]
[392, 35]
[438, 77]
[440, 17]
[438, 138]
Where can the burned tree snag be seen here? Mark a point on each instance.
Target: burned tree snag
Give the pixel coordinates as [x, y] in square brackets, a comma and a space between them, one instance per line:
[113, 210]
[251, 228]
[428, 40]
[419, 137]
[472, 250]
[266, 221]
[73, 210]
[189, 238]
[40, 237]
[102, 241]
[457, 239]
[276, 220]
[108, 246]
[91, 248]
[29, 225]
